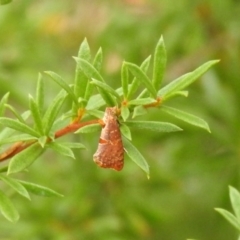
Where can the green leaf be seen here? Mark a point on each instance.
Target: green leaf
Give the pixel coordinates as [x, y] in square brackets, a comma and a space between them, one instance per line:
[125, 131]
[135, 155]
[89, 70]
[42, 141]
[235, 200]
[3, 102]
[96, 113]
[124, 80]
[7, 209]
[97, 62]
[16, 186]
[186, 117]
[55, 77]
[17, 138]
[40, 94]
[7, 132]
[81, 81]
[73, 145]
[185, 80]
[87, 91]
[36, 115]
[16, 114]
[106, 88]
[159, 63]
[25, 158]
[141, 76]
[230, 217]
[40, 190]
[178, 93]
[62, 149]
[52, 111]
[95, 102]
[125, 112]
[154, 126]
[142, 94]
[89, 128]
[138, 111]
[142, 101]
[135, 83]
[84, 50]
[16, 125]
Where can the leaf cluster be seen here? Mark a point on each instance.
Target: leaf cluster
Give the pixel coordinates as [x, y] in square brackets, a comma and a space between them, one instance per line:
[233, 219]
[36, 130]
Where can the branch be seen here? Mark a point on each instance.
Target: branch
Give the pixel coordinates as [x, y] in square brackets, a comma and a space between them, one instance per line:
[20, 146]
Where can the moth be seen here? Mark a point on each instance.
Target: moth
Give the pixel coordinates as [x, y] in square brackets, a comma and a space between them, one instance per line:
[110, 151]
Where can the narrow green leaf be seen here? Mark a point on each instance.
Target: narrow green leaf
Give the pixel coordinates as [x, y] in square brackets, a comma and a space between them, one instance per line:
[135, 155]
[159, 63]
[89, 128]
[154, 126]
[95, 102]
[17, 138]
[125, 113]
[84, 50]
[142, 94]
[7, 132]
[40, 190]
[230, 217]
[88, 92]
[73, 145]
[16, 186]
[25, 158]
[124, 79]
[135, 83]
[235, 200]
[106, 88]
[142, 101]
[2, 103]
[140, 75]
[42, 141]
[36, 115]
[55, 77]
[96, 113]
[7, 209]
[178, 93]
[62, 149]
[97, 62]
[89, 70]
[52, 111]
[125, 131]
[15, 124]
[185, 80]
[40, 94]
[81, 80]
[88, 89]
[16, 114]
[138, 111]
[186, 117]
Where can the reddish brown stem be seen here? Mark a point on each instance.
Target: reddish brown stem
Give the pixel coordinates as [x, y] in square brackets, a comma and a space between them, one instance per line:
[20, 146]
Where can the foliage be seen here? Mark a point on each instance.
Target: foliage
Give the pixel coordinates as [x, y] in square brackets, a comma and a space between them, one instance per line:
[190, 170]
[235, 201]
[40, 136]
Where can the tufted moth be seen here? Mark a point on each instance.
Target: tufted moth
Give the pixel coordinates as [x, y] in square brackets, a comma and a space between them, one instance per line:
[110, 152]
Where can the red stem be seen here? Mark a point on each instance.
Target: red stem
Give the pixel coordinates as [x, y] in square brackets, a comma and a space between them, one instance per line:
[20, 146]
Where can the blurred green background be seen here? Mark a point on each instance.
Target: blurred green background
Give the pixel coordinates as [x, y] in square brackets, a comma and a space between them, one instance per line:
[190, 170]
